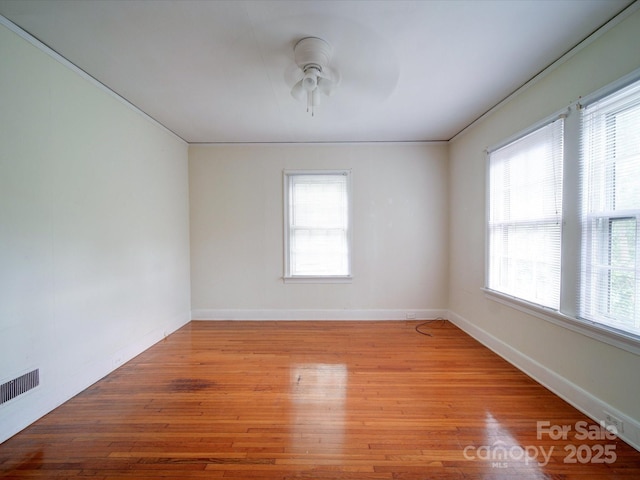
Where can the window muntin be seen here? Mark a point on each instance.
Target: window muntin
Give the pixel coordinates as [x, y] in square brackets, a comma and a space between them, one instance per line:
[317, 225]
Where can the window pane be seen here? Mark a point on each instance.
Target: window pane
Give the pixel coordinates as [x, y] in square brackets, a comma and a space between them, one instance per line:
[627, 160]
[620, 292]
[527, 262]
[319, 252]
[319, 201]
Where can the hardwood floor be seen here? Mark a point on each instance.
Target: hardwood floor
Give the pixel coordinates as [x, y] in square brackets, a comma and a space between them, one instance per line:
[337, 400]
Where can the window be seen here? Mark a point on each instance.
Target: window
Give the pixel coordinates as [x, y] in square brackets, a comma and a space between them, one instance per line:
[563, 217]
[525, 216]
[317, 225]
[610, 168]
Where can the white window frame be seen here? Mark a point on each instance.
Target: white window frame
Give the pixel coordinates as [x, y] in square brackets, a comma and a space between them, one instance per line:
[567, 315]
[287, 276]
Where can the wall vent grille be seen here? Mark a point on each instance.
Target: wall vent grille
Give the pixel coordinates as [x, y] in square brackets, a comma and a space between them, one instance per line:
[18, 386]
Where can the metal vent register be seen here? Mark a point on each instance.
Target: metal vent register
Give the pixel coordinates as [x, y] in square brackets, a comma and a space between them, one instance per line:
[18, 386]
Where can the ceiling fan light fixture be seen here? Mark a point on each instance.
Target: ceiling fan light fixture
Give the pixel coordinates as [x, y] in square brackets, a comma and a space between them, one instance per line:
[299, 92]
[310, 80]
[312, 56]
[327, 87]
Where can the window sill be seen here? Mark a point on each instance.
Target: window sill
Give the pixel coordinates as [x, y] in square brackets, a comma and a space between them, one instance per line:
[603, 333]
[318, 279]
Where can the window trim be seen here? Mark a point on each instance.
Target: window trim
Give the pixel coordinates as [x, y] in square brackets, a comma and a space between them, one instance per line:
[598, 331]
[567, 316]
[287, 277]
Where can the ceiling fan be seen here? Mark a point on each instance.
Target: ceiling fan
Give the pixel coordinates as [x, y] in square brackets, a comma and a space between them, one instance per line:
[313, 75]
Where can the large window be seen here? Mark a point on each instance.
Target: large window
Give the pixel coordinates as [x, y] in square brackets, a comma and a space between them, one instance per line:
[611, 210]
[563, 219]
[525, 216]
[317, 225]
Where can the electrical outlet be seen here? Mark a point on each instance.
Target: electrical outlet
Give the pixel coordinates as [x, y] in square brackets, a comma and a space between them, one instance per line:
[613, 421]
[411, 316]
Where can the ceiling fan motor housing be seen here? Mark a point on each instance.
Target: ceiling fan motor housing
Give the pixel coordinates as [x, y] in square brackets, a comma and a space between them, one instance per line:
[312, 52]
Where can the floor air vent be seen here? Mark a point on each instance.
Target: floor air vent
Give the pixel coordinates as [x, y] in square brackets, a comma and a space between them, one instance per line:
[19, 385]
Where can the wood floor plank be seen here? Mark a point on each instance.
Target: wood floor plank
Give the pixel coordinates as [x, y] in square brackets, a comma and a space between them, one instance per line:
[322, 400]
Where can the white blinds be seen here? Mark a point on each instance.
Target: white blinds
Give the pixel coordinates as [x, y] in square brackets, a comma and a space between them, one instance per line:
[318, 225]
[525, 216]
[610, 179]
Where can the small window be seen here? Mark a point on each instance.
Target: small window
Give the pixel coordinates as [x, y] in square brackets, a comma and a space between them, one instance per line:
[317, 219]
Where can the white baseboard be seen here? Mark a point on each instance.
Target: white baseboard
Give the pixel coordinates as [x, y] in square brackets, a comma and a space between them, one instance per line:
[318, 314]
[584, 401]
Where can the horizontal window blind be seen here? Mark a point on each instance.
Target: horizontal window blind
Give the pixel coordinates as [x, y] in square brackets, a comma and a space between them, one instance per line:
[610, 222]
[525, 216]
[318, 225]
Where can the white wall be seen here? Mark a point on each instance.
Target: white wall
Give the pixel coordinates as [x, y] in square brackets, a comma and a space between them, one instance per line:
[399, 241]
[94, 264]
[593, 375]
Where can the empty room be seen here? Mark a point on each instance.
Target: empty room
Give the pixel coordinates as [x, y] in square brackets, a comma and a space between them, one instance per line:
[349, 239]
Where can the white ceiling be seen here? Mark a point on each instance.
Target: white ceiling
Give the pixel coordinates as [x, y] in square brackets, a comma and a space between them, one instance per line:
[214, 71]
